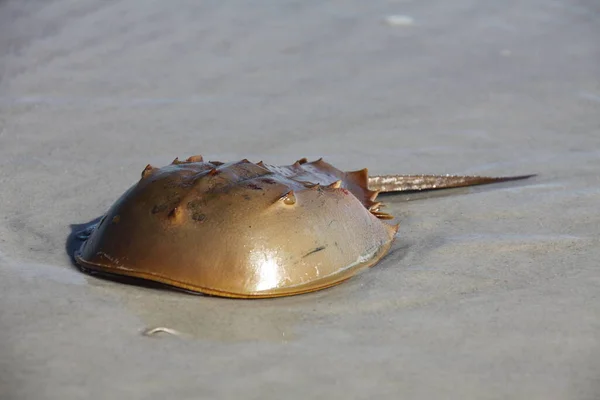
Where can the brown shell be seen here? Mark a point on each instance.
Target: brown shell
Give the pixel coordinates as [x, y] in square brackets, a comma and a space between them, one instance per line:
[242, 229]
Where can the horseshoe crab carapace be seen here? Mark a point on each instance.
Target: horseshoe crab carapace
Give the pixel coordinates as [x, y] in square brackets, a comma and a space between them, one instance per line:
[249, 230]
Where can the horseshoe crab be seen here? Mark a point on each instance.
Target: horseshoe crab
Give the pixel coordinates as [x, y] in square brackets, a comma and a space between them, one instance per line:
[249, 230]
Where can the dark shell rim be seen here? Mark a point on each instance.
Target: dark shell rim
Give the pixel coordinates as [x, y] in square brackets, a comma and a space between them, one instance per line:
[328, 281]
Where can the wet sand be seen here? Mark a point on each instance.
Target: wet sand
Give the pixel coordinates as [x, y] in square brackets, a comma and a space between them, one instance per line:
[488, 293]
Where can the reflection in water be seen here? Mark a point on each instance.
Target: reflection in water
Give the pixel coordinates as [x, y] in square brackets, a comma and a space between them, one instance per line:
[215, 319]
[210, 318]
[164, 310]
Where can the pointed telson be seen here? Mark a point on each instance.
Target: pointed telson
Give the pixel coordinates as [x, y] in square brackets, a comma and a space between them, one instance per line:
[410, 183]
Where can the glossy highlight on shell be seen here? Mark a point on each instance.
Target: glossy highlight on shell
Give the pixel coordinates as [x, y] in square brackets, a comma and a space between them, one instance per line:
[250, 230]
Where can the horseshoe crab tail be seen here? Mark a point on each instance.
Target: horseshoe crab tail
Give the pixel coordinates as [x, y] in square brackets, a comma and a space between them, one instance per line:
[412, 183]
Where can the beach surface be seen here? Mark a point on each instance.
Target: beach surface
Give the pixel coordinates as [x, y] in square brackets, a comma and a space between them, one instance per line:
[488, 293]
